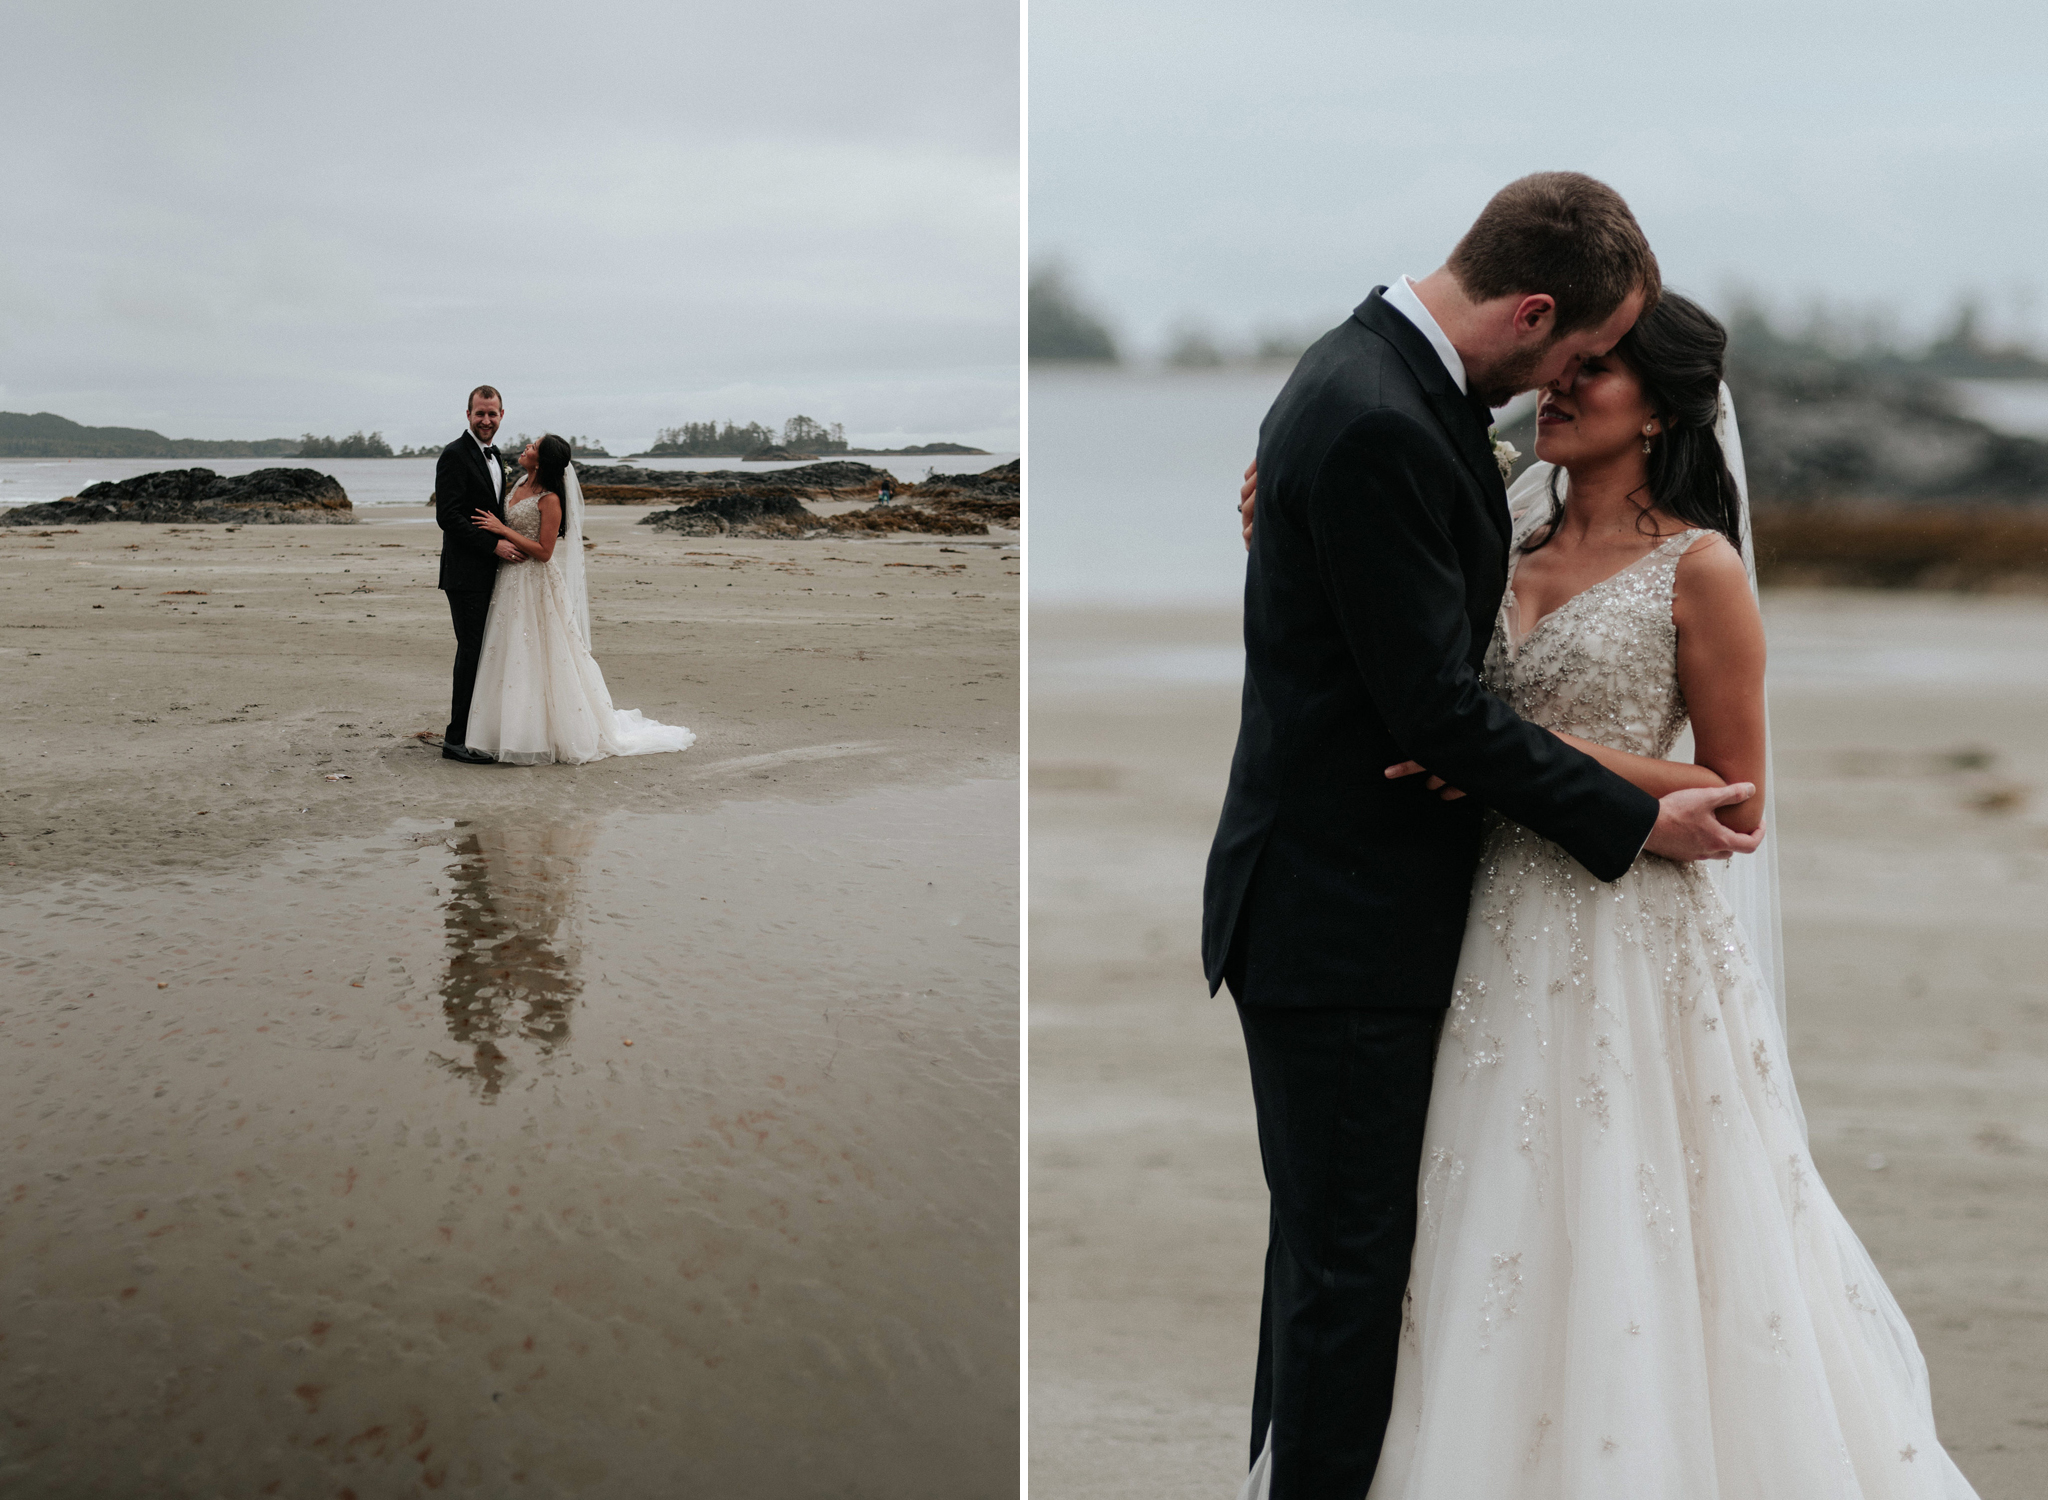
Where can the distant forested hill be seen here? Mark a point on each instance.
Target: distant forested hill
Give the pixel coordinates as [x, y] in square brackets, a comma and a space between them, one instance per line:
[47, 435]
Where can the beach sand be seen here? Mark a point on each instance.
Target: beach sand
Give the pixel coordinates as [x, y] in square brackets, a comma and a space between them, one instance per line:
[646, 1127]
[1912, 760]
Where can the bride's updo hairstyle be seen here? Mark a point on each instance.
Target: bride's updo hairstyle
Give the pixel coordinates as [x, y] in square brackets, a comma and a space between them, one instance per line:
[554, 461]
[1678, 350]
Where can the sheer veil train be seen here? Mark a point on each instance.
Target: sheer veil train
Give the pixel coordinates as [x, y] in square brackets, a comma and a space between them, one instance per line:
[575, 587]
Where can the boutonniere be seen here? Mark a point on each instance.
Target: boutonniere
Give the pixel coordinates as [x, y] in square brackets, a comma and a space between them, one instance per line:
[1504, 453]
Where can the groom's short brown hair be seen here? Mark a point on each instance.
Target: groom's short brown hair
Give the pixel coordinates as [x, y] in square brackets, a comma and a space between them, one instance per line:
[1563, 234]
[489, 393]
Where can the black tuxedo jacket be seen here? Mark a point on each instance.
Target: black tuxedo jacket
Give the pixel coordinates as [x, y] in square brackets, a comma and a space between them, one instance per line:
[462, 487]
[1376, 573]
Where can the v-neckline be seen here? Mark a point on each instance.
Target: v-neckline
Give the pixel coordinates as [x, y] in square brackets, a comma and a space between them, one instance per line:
[1512, 604]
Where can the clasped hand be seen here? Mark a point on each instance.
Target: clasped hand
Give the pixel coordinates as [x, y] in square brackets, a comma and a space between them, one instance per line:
[1686, 827]
[505, 550]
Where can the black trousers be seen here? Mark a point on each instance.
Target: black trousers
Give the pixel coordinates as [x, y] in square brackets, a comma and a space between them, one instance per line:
[469, 609]
[1342, 1095]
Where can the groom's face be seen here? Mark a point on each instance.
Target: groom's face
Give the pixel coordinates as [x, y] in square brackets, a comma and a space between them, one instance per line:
[1544, 361]
[1569, 352]
[485, 413]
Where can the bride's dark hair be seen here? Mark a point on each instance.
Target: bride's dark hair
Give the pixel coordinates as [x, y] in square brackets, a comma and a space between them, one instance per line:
[1678, 351]
[553, 462]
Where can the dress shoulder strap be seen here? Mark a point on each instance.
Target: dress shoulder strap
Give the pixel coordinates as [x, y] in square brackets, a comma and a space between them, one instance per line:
[1671, 549]
[1666, 555]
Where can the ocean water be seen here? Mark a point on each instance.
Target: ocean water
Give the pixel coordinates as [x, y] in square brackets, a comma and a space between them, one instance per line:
[376, 481]
[1133, 493]
[1133, 483]
[1134, 477]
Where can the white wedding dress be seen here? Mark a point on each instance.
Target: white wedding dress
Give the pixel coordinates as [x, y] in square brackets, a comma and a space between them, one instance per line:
[539, 695]
[1629, 1281]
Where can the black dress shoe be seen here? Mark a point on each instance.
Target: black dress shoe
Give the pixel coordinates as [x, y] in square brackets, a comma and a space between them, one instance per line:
[468, 756]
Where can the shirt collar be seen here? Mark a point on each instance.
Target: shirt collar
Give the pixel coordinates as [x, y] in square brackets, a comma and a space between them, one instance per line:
[1401, 297]
[482, 447]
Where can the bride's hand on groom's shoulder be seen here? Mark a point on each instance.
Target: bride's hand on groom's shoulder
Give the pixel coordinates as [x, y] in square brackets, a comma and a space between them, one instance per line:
[1247, 498]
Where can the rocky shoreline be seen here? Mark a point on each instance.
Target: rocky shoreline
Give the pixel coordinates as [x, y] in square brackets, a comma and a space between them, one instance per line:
[198, 496]
[726, 503]
[628, 484]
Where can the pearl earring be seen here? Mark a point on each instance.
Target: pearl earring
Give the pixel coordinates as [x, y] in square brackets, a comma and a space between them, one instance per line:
[1646, 440]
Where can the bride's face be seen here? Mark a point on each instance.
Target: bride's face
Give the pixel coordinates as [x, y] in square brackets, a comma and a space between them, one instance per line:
[1594, 415]
[529, 458]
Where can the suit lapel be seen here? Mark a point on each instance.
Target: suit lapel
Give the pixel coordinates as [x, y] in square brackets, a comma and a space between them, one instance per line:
[1454, 411]
[1468, 433]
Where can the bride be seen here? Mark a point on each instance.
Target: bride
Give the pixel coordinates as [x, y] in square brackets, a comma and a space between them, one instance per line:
[1628, 1279]
[539, 694]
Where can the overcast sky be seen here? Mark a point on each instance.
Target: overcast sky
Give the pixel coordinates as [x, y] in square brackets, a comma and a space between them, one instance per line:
[1268, 164]
[247, 220]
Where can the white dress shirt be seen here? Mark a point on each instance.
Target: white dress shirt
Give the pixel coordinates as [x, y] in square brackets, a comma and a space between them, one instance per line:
[1402, 299]
[498, 474]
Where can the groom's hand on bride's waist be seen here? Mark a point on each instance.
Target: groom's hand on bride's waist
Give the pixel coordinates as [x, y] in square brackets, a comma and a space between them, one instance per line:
[1687, 828]
[507, 552]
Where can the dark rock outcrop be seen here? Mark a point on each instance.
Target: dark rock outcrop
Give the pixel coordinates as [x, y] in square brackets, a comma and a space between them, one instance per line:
[756, 512]
[722, 503]
[959, 504]
[818, 478]
[943, 519]
[589, 475]
[1003, 479]
[918, 450]
[836, 476]
[1835, 437]
[287, 496]
[624, 484]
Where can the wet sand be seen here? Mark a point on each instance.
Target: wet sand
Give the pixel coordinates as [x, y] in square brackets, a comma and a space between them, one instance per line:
[640, 1128]
[1912, 747]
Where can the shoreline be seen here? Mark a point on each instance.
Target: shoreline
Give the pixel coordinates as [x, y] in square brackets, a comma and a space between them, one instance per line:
[310, 649]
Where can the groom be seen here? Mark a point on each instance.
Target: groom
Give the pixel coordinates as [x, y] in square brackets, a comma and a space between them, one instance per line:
[470, 478]
[1336, 894]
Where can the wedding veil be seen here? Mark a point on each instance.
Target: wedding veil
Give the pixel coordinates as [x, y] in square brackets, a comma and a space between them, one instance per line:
[569, 548]
[1749, 883]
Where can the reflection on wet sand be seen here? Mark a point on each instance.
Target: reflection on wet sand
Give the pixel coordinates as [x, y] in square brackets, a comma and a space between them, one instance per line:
[511, 972]
[252, 1241]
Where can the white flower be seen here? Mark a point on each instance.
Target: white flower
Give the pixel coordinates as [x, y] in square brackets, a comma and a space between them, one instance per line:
[1506, 455]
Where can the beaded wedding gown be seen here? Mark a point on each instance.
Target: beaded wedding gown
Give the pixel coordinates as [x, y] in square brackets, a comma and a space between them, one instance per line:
[539, 694]
[1628, 1280]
